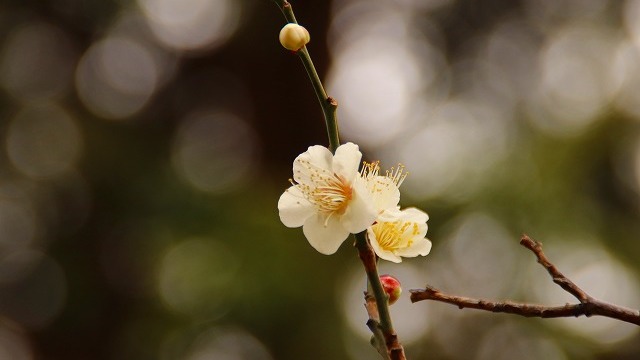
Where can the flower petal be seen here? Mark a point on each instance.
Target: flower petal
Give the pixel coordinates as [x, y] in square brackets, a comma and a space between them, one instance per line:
[319, 157]
[391, 215]
[361, 212]
[385, 193]
[416, 215]
[347, 160]
[421, 247]
[294, 208]
[383, 254]
[324, 237]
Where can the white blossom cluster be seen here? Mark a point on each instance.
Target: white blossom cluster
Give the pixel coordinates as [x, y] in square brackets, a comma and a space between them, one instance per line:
[331, 199]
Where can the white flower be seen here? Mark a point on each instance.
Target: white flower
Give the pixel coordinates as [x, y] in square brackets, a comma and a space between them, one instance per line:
[400, 233]
[328, 199]
[384, 188]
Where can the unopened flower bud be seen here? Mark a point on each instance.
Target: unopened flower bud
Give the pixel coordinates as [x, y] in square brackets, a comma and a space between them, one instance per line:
[293, 37]
[392, 287]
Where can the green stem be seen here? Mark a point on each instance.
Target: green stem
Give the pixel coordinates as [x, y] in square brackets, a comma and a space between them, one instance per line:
[368, 258]
[287, 10]
[329, 105]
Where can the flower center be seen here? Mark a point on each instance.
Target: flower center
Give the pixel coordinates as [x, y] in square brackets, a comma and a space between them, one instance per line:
[328, 191]
[333, 195]
[395, 235]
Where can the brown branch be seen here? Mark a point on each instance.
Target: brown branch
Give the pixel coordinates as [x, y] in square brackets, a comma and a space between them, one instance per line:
[588, 305]
[378, 340]
[555, 274]
[528, 310]
[376, 303]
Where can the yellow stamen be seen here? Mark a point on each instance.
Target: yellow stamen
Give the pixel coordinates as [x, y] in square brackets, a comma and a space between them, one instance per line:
[330, 192]
[370, 171]
[392, 236]
[397, 174]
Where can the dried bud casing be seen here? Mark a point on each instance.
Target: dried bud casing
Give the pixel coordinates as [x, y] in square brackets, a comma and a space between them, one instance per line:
[392, 287]
[293, 37]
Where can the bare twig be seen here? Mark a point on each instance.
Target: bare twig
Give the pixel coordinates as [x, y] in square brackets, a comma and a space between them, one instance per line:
[555, 274]
[588, 305]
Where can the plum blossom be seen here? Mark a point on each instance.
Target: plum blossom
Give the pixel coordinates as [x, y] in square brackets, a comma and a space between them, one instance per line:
[328, 197]
[400, 233]
[383, 188]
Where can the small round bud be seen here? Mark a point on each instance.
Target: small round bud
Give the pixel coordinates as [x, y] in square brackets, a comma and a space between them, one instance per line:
[293, 37]
[392, 287]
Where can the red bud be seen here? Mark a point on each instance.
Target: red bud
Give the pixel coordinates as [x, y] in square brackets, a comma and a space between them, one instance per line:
[392, 287]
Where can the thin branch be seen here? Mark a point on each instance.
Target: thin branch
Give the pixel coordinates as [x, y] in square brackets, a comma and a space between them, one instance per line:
[287, 10]
[368, 258]
[523, 309]
[378, 339]
[588, 305]
[329, 105]
[553, 271]
[380, 313]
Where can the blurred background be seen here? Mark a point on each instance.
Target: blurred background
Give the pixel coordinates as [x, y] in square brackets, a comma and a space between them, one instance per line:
[144, 145]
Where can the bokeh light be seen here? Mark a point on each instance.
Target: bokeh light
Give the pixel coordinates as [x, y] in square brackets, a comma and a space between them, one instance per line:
[116, 77]
[16, 264]
[546, 14]
[574, 86]
[13, 344]
[36, 298]
[227, 344]
[460, 141]
[132, 25]
[18, 220]
[469, 254]
[509, 341]
[44, 141]
[215, 151]
[191, 24]
[630, 14]
[380, 86]
[625, 78]
[502, 67]
[37, 61]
